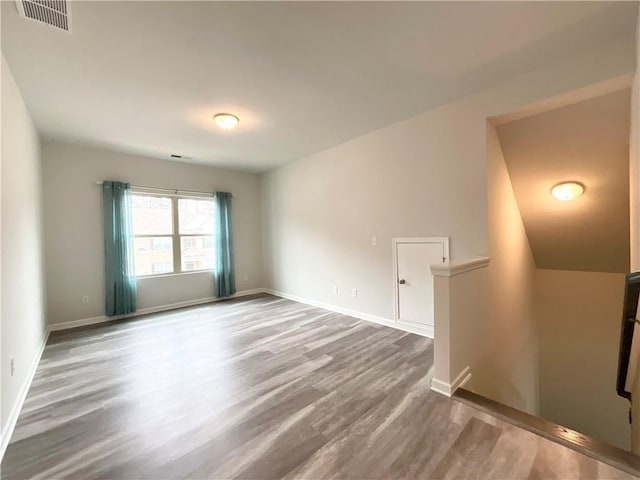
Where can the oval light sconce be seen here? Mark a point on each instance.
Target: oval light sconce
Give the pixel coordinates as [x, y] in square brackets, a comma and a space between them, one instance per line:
[567, 191]
[226, 121]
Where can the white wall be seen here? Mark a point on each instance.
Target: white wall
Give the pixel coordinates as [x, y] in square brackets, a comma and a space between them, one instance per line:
[420, 177]
[461, 297]
[23, 323]
[508, 365]
[73, 227]
[579, 332]
[321, 212]
[425, 176]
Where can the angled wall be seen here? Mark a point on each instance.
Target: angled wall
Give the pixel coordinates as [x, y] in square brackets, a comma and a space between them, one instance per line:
[509, 366]
[634, 150]
[586, 141]
[581, 251]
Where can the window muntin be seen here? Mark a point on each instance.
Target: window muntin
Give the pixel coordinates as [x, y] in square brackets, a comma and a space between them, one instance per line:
[172, 234]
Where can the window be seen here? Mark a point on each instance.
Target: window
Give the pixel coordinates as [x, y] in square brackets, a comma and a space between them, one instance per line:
[172, 234]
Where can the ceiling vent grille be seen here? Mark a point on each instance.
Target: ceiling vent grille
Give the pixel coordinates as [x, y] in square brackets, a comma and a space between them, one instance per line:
[52, 12]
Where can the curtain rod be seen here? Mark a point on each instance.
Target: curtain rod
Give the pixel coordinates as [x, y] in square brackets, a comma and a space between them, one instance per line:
[171, 191]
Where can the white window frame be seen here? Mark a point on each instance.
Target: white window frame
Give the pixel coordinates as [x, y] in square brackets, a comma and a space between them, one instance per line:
[175, 234]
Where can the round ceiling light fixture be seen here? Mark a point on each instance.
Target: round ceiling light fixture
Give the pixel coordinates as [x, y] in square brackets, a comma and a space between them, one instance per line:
[226, 121]
[567, 191]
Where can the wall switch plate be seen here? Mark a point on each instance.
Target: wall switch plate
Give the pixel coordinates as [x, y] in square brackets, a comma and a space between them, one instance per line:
[334, 290]
[85, 299]
[374, 241]
[354, 292]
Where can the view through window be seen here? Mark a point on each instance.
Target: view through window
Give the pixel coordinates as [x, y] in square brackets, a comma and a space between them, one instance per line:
[172, 234]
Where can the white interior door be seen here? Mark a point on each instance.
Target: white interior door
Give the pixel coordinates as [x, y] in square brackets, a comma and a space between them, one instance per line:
[414, 282]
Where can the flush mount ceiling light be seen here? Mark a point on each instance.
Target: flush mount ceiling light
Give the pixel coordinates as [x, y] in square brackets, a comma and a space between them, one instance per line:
[567, 191]
[226, 121]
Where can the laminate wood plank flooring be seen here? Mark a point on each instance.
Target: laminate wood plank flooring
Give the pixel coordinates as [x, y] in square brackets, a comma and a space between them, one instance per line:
[261, 388]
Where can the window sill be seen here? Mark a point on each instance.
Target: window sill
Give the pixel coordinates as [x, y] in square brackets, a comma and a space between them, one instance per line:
[173, 274]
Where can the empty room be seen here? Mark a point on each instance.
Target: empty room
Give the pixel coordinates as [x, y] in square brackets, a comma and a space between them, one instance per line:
[319, 240]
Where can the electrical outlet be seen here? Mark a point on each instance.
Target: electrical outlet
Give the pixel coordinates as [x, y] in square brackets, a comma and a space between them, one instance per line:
[374, 241]
[354, 292]
[245, 278]
[13, 366]
[85, 299]
[334, 290]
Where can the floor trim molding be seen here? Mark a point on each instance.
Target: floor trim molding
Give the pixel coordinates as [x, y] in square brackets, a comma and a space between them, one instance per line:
[145, 311]
[449, 389]
[354, 313]
[7, 432]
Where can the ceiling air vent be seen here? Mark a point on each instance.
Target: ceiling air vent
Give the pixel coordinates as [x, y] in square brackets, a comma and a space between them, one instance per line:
[52, 12]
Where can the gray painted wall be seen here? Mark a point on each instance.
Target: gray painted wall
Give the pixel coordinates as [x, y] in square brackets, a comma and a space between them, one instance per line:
[73, 227]
[23, 306]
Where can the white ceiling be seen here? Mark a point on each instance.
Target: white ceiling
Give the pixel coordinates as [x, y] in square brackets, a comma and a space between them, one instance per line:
[146, 77]
[587, 142]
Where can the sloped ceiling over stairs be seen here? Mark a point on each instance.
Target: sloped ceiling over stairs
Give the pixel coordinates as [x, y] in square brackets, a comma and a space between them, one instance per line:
[586, 142]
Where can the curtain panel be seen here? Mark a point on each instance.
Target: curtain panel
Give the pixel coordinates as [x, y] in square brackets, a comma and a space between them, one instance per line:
[120, 276]
[225, 279]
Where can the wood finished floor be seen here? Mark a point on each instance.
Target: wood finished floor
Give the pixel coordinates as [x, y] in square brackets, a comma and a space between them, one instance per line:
[261, 388]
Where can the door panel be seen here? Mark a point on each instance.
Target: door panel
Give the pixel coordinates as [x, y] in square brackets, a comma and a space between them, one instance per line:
[415, 282]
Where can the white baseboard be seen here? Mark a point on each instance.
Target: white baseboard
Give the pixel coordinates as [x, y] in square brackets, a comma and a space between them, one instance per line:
[5, 436]
[425, 332]
[448, 389]
[145, 311]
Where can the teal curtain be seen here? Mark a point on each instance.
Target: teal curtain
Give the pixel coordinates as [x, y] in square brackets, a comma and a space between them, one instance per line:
[120, 276]
[225, 277]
